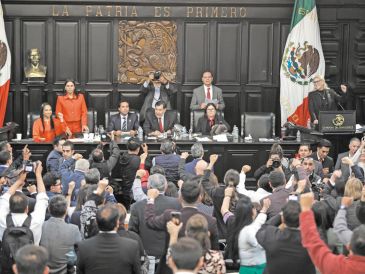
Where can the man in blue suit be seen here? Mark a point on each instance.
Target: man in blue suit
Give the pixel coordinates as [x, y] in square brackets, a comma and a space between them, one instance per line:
[125, 122]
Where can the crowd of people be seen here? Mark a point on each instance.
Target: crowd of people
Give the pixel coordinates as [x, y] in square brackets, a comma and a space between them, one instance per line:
[171, 214]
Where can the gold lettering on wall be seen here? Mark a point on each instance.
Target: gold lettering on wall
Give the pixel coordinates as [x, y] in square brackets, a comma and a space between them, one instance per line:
[98, 11]
[57, 12]
[158, 11]
[146, 47]
[88, 10]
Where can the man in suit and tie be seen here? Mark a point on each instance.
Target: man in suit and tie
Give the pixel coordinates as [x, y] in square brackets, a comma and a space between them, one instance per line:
[207, 93]
[159, 120]
[123, 123]
[107, 252]
[321, 155]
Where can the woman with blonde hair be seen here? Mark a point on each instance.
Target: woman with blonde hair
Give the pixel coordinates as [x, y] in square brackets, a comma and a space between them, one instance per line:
[324, 98]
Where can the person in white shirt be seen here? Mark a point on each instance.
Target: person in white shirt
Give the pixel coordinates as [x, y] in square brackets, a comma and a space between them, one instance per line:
[16, 204]
[263, 186]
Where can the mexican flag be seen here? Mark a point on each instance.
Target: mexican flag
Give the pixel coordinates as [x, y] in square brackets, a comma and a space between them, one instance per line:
[5, 64]
[302, 60]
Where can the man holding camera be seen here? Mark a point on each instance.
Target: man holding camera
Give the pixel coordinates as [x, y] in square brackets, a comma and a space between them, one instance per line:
[156, 88]
[272, 164]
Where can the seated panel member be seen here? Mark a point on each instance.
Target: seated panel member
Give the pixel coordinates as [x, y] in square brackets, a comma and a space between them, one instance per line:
[207, 93]
[159, 121]
[210, 119]
[155, 88]
[46, 128]
[123, 123]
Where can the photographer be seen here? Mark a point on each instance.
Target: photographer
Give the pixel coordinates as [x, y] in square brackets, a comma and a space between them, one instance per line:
[155, 88]
[274, 163]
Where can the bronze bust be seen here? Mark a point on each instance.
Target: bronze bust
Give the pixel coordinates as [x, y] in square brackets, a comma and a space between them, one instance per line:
[35, 69]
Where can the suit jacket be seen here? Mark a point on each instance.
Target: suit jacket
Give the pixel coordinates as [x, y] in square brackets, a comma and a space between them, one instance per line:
[199, 97]
[159, 222]
[149, 92]
[154, 241]
[204, 127]
[278, 242]
[115, 122]
[151, 122]
[324, 100]
[327, 162]
[108, 253]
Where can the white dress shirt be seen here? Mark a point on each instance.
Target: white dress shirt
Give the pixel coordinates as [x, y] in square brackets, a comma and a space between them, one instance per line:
[38, 215]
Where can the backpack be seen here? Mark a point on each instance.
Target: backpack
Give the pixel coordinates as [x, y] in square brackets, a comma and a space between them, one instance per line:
[89, 226]
[13, 239]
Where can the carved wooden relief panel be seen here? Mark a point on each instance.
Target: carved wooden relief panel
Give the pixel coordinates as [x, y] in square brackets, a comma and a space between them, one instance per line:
[146, 47]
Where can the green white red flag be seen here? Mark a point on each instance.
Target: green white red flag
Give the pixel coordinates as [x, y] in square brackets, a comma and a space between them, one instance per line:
[302, 60]
[5, 68]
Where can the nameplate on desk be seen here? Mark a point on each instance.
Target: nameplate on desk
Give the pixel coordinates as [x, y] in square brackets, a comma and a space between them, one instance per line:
[337, 121]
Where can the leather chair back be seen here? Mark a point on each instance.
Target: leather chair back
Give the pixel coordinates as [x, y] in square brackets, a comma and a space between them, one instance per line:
[31, 117]
[258, 124]
[196, 114]
[92, 118]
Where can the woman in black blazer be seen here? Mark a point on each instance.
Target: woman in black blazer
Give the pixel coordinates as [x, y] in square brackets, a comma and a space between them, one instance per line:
[210, 118]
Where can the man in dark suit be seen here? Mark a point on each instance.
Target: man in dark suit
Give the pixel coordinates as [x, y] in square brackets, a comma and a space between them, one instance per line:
[284, 250]
[107, 252]
[321, 155]
[123, 123]
[156, 89]
[353, 147]
[189, 196]
[207, 93]
[154, 241]
[159, 121]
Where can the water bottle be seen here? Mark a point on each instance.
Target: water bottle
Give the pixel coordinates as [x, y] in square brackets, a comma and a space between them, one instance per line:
[283, 132]
[140, 133]
[235, 134]
[298, 136]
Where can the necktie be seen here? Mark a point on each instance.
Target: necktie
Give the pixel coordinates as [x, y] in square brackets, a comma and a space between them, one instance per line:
[208, 93]
[211, 123]
[124, 128]
[160, 124]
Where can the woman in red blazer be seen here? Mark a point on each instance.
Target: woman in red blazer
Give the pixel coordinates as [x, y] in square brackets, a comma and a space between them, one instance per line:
[46, 128]
[73, 107]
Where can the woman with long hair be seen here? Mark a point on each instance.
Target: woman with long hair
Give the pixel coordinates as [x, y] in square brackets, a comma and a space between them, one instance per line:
[242, 229]
[47, 127]
[73, 107]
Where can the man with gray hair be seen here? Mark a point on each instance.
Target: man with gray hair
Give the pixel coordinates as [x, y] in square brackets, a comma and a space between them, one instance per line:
[197, 152]
[154, 241]
[92, 176]
[77, 175]
[168, 160]
[58, 237]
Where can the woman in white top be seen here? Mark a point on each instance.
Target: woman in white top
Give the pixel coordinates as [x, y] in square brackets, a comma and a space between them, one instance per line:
[242, 228]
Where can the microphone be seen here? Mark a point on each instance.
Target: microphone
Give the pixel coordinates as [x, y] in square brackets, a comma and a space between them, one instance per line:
[341, 106]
